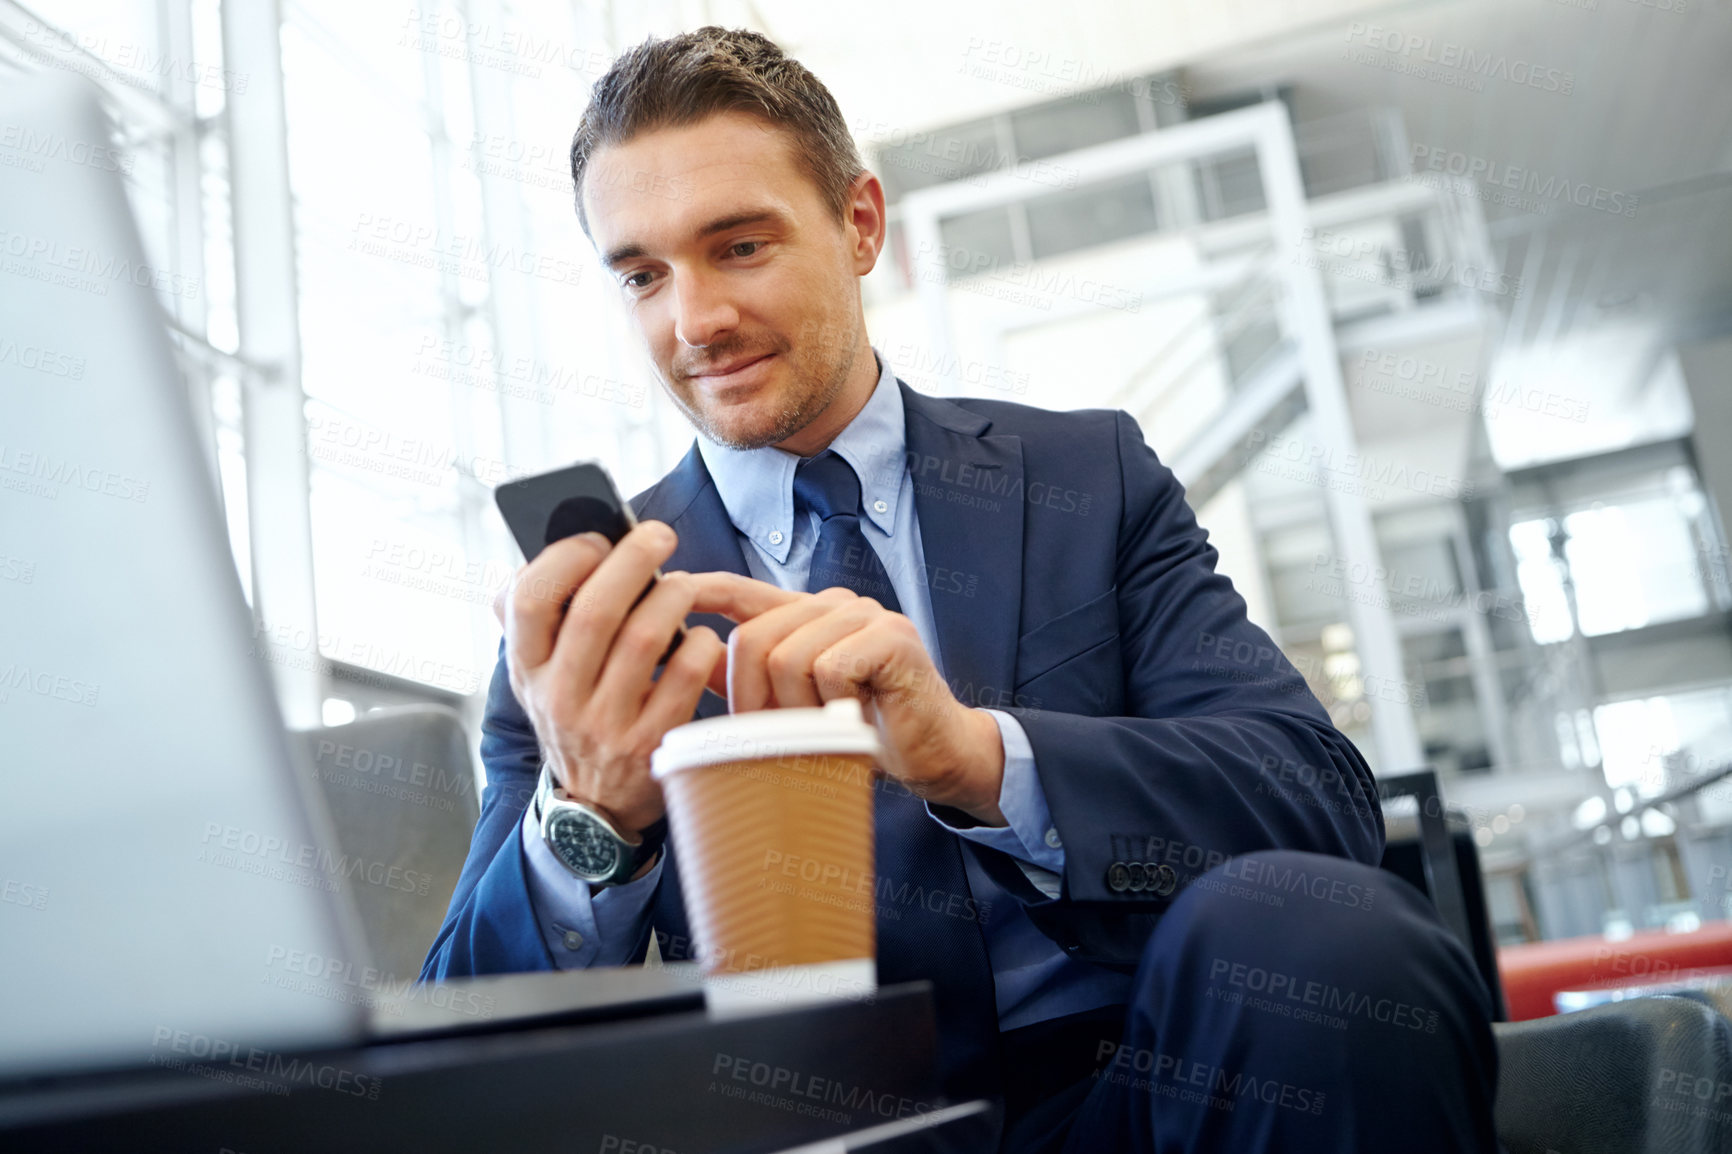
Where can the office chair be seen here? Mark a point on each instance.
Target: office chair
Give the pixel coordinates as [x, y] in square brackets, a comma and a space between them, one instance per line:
[1642, 1076]
[1434, 851]
[400, 785]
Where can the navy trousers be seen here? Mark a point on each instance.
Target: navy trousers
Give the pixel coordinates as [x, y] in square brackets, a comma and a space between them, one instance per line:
[1286, 1002]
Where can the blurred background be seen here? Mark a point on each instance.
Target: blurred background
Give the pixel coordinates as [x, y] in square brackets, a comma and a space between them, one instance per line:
[1428, 304]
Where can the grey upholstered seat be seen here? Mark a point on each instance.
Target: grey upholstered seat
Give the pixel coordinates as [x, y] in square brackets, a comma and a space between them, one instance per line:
[400, 785]
[1643, 1076]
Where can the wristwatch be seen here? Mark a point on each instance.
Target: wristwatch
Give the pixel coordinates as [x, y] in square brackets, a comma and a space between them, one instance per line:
[586, 843]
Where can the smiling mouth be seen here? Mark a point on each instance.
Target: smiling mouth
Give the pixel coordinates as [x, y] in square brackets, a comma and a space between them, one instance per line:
[732, 374]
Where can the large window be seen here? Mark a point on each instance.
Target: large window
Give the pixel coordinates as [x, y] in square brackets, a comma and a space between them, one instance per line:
[1630, 557]
[454, 328]
[453, 325]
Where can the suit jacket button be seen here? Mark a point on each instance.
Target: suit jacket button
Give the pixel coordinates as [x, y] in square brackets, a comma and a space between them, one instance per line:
[1139, 876]
[1118, 877]
[1164, 880]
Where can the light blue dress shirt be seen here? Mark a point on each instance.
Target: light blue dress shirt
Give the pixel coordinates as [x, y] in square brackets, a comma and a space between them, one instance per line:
[1035, 980]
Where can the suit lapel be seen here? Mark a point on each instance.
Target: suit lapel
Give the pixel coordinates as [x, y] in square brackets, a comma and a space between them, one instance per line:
[968, 495]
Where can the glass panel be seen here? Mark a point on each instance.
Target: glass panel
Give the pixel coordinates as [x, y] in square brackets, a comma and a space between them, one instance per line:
[85, 35]
[1230, 186]
[373, 259]
[1631, 735]
[212, 84]
[1079, 122]
[395, 586]
[1631, 564]
[912, 160]
[977, 243]
[221, 320]
[1099, 214]
[384, 43]
[1541, 581]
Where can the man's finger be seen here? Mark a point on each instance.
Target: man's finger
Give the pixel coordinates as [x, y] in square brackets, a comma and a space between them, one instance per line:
[624, 682]
[739, 598]
[749, 645]
[718, 679]
[789, 665]
[682, 682]
[605, 600]
[535, 601]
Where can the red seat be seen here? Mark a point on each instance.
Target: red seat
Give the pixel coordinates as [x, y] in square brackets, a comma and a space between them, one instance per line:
[1534, 972]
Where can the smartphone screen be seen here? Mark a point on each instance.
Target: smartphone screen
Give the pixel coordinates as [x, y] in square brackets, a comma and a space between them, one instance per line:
[549, 507]
[580, 498]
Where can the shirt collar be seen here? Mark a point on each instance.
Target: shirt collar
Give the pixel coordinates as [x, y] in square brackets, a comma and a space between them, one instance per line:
[757, 485]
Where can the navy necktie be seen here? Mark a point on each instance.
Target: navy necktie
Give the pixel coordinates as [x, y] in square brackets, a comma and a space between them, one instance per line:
[929, 925]
[826, 485]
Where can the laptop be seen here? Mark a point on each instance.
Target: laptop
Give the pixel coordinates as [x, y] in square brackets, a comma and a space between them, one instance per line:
[155, 816]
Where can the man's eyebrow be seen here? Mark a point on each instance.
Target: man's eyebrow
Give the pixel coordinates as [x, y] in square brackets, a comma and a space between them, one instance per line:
[623, 253]
[739, 220]
[735, 220]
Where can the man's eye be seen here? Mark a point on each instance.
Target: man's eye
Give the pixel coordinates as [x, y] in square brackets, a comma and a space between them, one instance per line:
[637, 280]
[746, 247]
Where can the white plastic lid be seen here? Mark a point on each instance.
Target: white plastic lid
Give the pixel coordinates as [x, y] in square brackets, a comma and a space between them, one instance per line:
[838, 727]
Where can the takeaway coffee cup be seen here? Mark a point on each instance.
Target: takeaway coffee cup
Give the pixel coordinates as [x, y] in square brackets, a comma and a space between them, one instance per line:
[771, 814]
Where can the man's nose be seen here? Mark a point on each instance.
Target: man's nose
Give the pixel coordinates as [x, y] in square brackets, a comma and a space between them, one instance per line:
[702, 311]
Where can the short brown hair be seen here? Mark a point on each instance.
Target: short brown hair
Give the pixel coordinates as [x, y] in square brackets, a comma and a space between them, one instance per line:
[686, 78]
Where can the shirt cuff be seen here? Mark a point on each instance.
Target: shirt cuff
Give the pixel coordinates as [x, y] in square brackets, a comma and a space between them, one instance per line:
[582, 930]
[1030, 837]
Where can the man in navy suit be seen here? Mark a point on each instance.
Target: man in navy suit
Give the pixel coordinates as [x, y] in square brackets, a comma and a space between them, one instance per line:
[1122, 838]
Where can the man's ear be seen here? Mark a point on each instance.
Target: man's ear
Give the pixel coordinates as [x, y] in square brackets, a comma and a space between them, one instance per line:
[865, 222]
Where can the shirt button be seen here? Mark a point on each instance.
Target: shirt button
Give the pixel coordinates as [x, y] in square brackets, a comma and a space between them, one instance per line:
[1052, 839]
[775, 536]
[573, 940]
[880, 506]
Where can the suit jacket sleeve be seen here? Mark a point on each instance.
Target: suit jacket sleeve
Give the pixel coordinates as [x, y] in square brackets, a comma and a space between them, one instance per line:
[1222, 749]
[491, 925]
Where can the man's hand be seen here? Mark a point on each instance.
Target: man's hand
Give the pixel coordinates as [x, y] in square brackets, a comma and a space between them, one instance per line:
[580, 659]
[803, 649]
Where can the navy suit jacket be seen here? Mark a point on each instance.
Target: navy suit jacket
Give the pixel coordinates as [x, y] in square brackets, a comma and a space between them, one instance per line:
[1072, 587]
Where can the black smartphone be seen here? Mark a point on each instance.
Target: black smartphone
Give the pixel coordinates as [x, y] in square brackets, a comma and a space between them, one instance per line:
[580, 498]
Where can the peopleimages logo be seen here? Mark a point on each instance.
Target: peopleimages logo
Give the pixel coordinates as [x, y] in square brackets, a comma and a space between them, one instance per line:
[1378, 263]
[15, 676]
[1187, 1080]
[461, 254]
[86, 269]
[43, 475]
[1322, 465]
[269, 855]
[800, 1084]
[1249, 869]
[224, 1060]
[343, 981]
[1322, 996]
[35, 148]
[1413, 48]
[1554, 188]
[41, 359]
[1033, 284]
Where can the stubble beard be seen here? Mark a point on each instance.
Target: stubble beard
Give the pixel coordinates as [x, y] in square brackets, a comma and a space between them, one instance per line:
[796, 412]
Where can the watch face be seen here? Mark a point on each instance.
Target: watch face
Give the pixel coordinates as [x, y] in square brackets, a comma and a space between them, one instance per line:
[583, 845]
